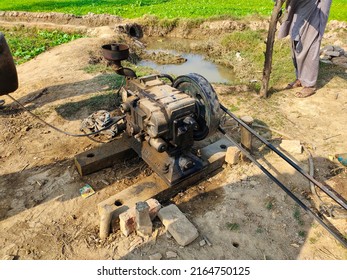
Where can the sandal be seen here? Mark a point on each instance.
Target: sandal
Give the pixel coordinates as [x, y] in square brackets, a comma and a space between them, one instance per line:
[305, 92]
[294, 84]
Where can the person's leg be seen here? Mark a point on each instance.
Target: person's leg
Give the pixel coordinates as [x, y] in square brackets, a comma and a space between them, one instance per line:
[309, 64]
[297, 82]
[307, 55]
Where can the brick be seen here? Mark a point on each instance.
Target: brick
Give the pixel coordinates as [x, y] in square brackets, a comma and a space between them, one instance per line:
[232, 155]
[127, 219]
[181, 229]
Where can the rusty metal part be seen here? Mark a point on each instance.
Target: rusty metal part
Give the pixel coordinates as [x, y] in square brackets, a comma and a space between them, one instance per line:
[115, 52]
[8, 72]
[207, 107]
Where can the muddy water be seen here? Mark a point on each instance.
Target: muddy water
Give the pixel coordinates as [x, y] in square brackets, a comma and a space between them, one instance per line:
[196, 63]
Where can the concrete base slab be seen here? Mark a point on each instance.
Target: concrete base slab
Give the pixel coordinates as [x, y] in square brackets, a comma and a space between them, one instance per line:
[154, 187]
[103, 156]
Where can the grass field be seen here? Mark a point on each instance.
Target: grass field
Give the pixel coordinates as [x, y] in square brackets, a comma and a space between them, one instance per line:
[26, 43]
[160, 8]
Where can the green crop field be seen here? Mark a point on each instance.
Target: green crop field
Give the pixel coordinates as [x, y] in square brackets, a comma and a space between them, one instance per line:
[159, 8]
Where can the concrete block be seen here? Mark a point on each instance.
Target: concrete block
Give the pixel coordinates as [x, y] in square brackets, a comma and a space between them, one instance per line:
[127, 219]
[144, 225]
[232, 155]
[103, 156]
[291, 146]
[216, 151]
[182, 230]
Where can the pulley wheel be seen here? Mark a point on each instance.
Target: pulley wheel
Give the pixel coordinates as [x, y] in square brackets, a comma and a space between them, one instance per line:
[208, 112]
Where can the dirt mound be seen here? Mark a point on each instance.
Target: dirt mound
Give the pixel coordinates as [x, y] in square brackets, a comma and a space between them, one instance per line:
[90, 20]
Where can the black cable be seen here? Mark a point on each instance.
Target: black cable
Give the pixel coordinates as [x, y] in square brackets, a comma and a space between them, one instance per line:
[65, 132]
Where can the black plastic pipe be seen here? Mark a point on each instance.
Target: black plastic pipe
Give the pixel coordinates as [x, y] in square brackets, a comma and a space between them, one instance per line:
[339, 199]
[314, 215]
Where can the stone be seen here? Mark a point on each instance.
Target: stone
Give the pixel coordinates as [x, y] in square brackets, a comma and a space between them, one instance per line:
[156, 256]
[324, 57]
[327, 48]
[339, 49]
[326, 61]
[340, 61]
[171, 255]
[144, 226]
[232, 155]
[181, 229]
[202, 243]
[291, 146]
[127, 219]
[332, 53]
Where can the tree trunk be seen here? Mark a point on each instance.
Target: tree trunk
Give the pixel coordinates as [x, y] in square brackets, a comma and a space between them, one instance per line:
[269, 47]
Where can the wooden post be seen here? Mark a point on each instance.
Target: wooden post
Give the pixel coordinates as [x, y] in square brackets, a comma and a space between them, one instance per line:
[246, 136]
[269, 47]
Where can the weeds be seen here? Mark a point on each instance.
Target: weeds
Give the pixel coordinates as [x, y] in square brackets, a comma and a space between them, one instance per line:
[297, 216]
[313, 240]
[113, 81]
[270, 203]
[26, 43]
[232, 226]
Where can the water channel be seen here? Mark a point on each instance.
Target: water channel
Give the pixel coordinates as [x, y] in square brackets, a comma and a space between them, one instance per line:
[196, 62]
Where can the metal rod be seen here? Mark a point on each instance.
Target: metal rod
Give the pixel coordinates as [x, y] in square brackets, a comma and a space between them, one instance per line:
[339, 199]
[335, 234]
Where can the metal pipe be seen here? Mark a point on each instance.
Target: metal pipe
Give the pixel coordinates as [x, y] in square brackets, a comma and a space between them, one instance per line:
[337, 236]
[339, 199]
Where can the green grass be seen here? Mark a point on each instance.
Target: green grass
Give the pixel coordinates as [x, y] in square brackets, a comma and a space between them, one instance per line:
[160, 8]
[251, 47]
[232, 226]
[26, 43]
[297, 216]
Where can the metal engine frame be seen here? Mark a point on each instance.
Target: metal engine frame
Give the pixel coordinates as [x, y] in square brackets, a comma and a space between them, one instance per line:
[164, 120]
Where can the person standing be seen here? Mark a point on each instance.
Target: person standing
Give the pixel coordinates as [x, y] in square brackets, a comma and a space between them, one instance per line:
[305, 22]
